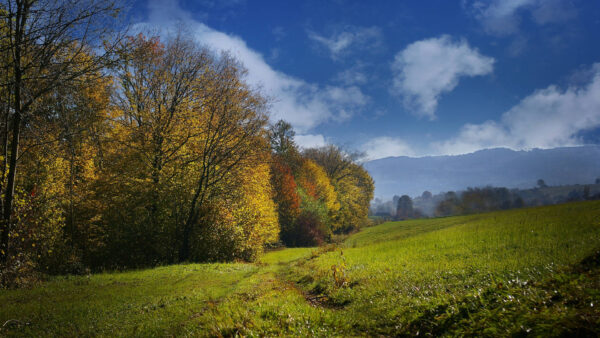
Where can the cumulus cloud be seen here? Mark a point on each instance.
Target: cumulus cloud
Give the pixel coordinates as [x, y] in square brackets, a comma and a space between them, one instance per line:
[548, 118]
[351, 38]
[305, 105]
[503, 17]
[310, 141]
[426, 69]
[385, 146]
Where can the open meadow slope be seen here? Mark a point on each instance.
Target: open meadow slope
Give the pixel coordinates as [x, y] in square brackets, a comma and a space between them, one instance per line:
[528, 271]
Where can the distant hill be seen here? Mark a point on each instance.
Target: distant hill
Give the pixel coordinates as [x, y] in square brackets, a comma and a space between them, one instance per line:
[497, 167]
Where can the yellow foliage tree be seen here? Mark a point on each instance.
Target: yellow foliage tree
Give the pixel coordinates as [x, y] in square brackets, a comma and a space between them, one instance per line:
[313, 179]
[246, 222]
[352, 183]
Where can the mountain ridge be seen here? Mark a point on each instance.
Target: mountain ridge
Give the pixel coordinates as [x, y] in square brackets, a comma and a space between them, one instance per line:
[495, 166]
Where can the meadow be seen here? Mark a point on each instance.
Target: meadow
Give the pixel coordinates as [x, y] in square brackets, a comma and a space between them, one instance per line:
[533, 271]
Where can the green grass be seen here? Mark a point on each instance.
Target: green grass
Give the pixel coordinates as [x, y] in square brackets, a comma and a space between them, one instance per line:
[399, 271]
[529, 271]
[146, 302]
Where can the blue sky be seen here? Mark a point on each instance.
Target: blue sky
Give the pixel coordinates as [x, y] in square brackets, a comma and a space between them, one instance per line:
[413, 78]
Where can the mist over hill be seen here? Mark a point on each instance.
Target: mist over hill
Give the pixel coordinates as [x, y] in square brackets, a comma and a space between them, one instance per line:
[499, 167]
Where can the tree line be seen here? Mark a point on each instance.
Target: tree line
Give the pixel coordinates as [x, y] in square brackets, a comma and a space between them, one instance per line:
[122, 151]
[476, 200]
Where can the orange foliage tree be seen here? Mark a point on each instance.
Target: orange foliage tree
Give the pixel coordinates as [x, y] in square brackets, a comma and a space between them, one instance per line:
[286, 197]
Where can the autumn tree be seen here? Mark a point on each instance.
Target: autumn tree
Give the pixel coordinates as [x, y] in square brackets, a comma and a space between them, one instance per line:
[354, 193]
[285, 197]
[281, 138]
[334, 160]
[66, 136]
[305, 198]
[46, 44]
[333, 189]
[352, 184]
[238, 225]
[315, 182]
[158, 102]
[188, 130]
[319, 205]
[233, 121]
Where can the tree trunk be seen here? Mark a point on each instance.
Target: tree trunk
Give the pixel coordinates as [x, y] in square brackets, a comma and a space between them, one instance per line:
[184, 252]
[10, 185]
[21, 16]
[4, 227]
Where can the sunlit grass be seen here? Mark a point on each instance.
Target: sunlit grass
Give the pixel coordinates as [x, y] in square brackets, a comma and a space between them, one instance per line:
[500, 273]
[145, 302]
[285, 255]
[501, 242]
[398, 267]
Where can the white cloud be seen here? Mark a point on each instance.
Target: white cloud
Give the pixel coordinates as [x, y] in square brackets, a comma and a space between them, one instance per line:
[426, 69]
[473, 137]
[503, 17]
[548, 118]
[349, 39]
[385, 146]
[310, 141]
[355, 75]
[304, 105]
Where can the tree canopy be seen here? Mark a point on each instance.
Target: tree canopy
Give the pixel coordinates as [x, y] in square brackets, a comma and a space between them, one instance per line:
[144, 151]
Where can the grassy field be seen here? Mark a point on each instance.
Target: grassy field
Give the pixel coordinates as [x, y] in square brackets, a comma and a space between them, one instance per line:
[520, 272]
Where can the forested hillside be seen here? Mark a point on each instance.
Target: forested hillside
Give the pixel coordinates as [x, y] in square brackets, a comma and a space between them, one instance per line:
[123, 150]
